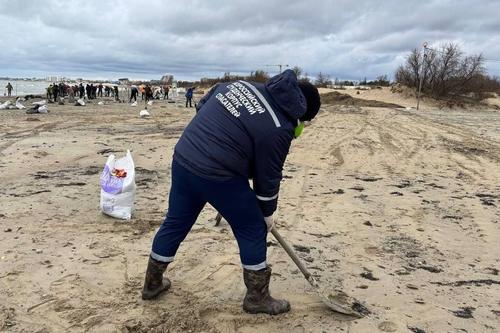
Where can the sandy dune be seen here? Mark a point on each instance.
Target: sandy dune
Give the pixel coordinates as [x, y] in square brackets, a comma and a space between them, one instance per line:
[397, 208]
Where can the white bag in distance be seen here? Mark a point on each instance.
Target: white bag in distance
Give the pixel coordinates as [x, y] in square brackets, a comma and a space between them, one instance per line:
[42, 102]
[19, 105]
[5, 105]
[43, 109]
[144, 114]
[117, 194]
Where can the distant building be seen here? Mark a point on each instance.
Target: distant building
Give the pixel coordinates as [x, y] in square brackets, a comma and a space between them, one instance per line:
[56, 79]
[124, 81]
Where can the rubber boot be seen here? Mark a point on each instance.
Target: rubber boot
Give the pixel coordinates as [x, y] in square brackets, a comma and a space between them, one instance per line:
[154, 283]
[258, 299]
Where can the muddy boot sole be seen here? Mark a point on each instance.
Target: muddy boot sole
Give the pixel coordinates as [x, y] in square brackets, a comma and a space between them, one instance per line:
[254, 309]
[150, 294]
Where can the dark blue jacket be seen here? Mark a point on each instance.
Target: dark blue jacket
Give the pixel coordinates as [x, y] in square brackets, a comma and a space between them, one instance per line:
[244, 129]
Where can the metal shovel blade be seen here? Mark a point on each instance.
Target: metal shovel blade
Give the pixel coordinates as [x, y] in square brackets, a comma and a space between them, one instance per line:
[338, 301]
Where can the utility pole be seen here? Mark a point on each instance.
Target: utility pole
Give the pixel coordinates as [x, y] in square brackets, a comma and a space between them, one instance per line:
[422, 74]
[280, 66]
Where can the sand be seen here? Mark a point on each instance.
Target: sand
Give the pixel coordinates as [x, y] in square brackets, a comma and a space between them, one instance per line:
[397, 208]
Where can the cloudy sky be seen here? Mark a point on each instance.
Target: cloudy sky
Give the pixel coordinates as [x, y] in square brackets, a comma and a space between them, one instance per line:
[192, 39]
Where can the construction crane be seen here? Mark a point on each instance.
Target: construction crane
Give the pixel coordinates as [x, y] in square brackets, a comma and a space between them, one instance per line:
[278, 65]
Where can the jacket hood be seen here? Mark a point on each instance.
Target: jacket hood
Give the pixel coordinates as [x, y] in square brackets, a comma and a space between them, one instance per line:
[286, 93]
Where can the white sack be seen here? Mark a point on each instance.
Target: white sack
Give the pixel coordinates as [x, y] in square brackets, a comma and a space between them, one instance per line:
[117, 194]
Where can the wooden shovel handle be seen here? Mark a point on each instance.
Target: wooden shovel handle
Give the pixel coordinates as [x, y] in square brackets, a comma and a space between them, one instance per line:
[291, 253]
[286, 247]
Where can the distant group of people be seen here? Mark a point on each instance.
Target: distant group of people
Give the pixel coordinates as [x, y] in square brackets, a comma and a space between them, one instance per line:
[61, 90]
[91, 91]
[147, 92]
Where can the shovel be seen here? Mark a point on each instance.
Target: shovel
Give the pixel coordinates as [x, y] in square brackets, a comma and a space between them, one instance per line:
[337, 301]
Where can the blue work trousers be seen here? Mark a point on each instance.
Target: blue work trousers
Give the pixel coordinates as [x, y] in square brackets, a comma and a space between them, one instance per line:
[234, 199]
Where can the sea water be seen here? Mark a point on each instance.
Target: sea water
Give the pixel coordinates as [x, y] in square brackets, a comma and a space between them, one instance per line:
[21, 87]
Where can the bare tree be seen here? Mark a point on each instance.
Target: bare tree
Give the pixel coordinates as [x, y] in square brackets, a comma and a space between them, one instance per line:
[382, 80]
[446, 71]
[259, 76]
[305, 78]
[298, 71]
[322, 80]
[409, 73]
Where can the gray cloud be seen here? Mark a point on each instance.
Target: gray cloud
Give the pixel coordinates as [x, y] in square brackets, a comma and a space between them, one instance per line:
[190, 39]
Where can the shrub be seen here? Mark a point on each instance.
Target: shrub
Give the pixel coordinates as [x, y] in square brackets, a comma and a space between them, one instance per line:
[446, 72]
